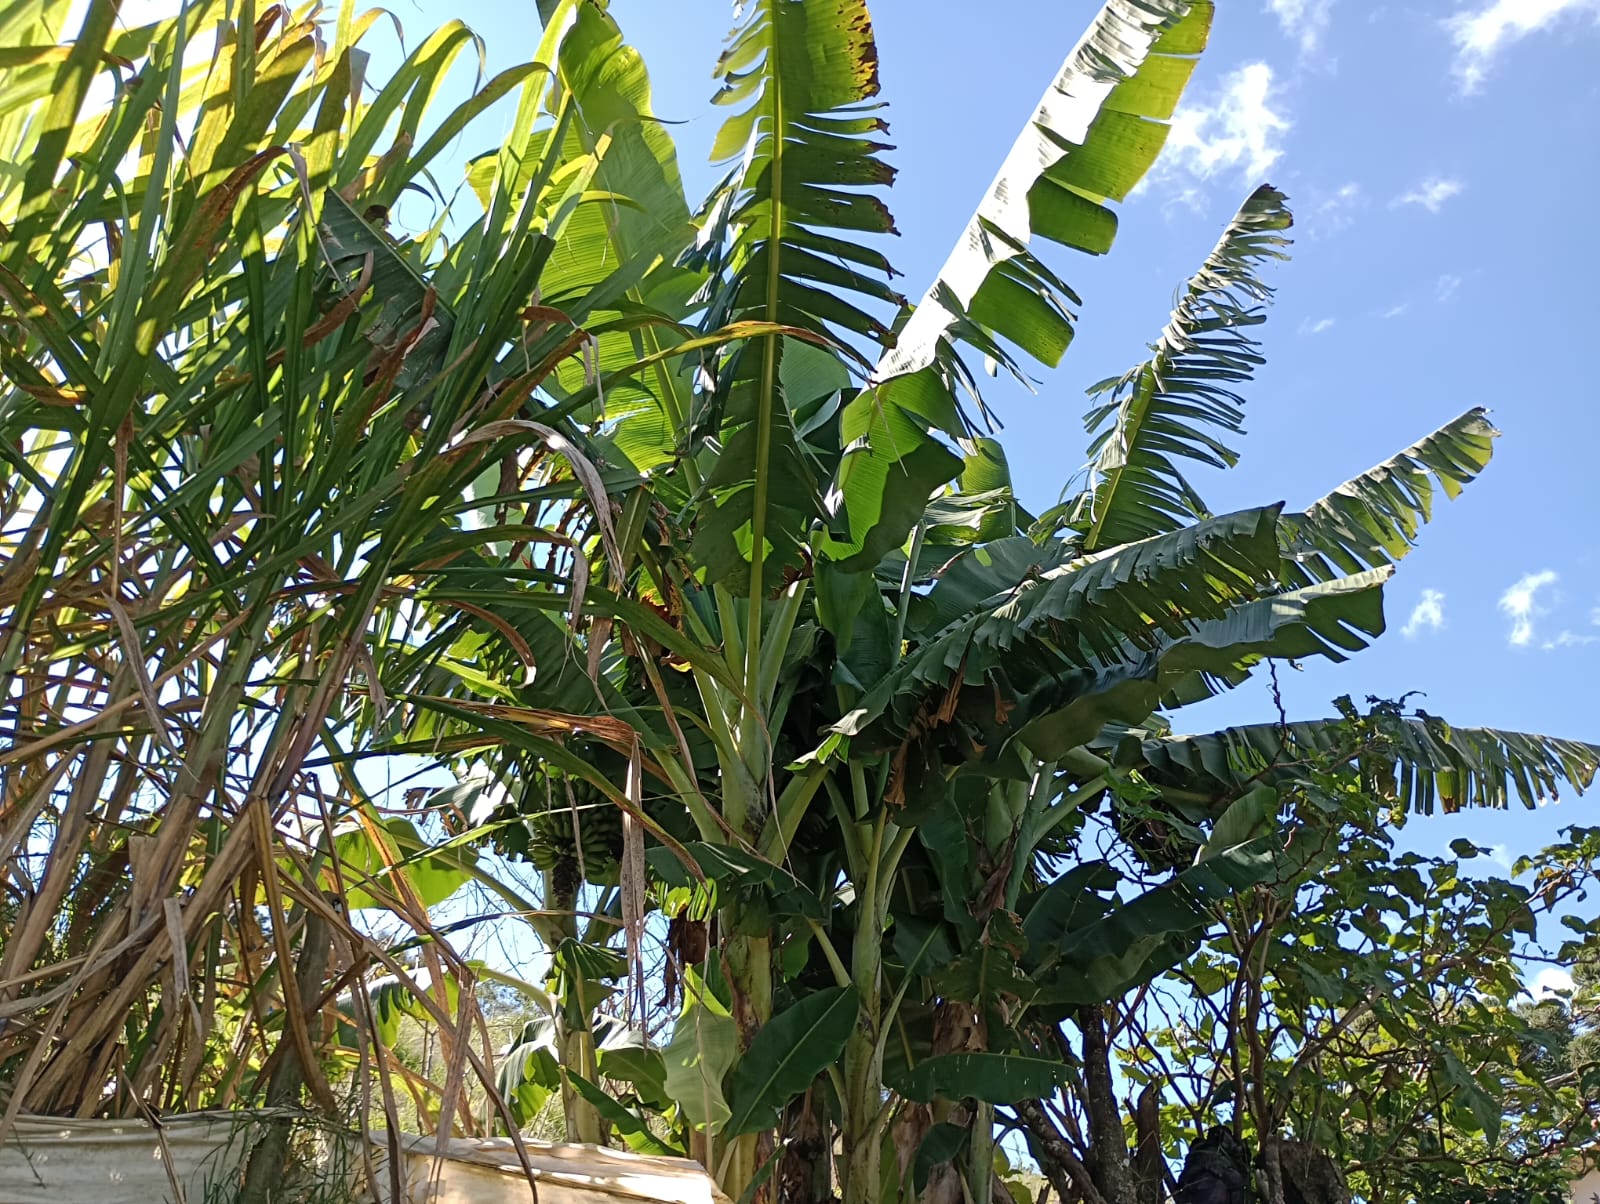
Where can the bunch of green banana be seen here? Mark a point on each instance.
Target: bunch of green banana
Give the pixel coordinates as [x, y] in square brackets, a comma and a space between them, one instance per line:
[582, 828]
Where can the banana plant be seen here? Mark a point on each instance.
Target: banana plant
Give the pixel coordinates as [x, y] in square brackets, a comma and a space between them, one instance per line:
[796, 483]
[759, 491]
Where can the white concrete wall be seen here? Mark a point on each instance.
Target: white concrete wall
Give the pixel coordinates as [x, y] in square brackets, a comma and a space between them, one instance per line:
[1586, 1189]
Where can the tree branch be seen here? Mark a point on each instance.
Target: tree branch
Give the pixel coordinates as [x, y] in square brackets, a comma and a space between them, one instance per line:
[1066, 1172]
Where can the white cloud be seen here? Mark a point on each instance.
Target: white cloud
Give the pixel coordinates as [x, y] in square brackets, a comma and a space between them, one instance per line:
[1550, 980]
[1501, 856]
[1431, 194]
[1519, 603]
[1320, 326]
[1303, 20]
[1426, 615]
[1188, 197]
[1569, 639]
[1481, 33]
[1394, 311]
[1239, 129]
[1447, 286]
[1335, 212]
[1594, 616]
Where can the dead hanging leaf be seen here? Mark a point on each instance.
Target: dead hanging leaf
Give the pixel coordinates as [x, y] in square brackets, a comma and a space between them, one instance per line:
[911, 1125]
[946, 710]
[582, 468]
[1309, 1173]
[546, 314]
[54, 395]
[518, 643]
[1003, 706]
[173, 914]
[267, 20]
[688, 942]
[510, 478]
[958, 1027]
[993, 891]
[135, 661]
[375, 693]
[335, 317]
[613, 732]
[894, 791]
[599, 637]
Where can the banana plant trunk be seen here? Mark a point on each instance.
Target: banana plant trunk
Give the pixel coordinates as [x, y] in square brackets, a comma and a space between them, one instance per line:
[861, 1173]
[749, 968]
[865, 1107]
[574, 1042]
[746, 955]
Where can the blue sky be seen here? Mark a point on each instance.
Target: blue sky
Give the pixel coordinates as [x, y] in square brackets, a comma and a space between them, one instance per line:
[1437, 155]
